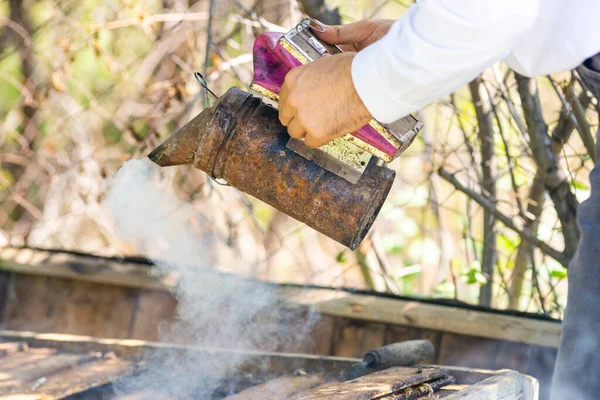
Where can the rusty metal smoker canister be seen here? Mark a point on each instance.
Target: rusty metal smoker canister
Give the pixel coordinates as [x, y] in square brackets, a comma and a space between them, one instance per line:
[240, 139]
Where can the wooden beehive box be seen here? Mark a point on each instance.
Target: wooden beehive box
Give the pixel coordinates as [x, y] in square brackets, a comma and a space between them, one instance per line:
[70, 293]
[52, 366]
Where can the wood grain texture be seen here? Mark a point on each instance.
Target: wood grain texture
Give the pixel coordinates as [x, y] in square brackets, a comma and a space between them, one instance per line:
[426, 316]
[46, 373]
[28, 374]
[280, 388]
[155, 311]
[88, 269]
[323, 334]
[72, 364]
[84, 377]
[474, 352]
[351, 324]
[502, 386]
[139, 349]
[356, 338]
[373, 386]
[66, 306]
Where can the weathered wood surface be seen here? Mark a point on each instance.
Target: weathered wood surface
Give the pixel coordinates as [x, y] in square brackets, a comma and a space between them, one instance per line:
[426, 316]
[372, 308]
[89, 269]
[77, 294]
[140, 349]
[56, 305]
[281, 388]
[53, 366]
[46, 373]
[503, 386]
[374, 386]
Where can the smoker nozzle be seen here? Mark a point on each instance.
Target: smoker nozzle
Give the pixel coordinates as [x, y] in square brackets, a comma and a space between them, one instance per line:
[180, 148]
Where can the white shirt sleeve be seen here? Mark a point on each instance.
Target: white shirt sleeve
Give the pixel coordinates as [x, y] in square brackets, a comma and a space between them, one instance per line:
[435, 48]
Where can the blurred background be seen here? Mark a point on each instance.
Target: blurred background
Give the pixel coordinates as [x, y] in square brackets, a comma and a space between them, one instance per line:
[482, 210]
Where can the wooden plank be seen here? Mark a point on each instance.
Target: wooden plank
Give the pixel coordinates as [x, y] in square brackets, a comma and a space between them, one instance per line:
[16, 379]
[502, 386]
[474, 352]
[467, 351]
[87, 269]
[356, 338]
[280, 388]
[139, 349]
[83, 378]
[427, 316]
[155, 309]
[329, 302]
[373, 386]
[298, 329]
[511, 355]
[66, 306]
[20, 360]
[9, 348]
[323, 335]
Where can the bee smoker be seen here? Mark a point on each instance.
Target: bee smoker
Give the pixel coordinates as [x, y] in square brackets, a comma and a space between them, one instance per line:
[337, 190]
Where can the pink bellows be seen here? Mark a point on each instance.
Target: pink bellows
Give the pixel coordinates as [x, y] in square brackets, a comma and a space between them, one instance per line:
[272, 62]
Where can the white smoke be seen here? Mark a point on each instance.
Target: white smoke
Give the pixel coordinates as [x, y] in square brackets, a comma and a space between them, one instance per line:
[215, 310]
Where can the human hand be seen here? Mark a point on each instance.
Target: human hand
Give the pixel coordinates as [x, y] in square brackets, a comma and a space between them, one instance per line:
[318, 102]
[357, 35]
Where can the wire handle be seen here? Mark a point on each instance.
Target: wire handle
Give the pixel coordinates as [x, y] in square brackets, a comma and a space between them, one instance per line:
[202, 81]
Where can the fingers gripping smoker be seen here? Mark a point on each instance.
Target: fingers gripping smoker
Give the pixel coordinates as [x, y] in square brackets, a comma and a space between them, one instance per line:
[337, 189]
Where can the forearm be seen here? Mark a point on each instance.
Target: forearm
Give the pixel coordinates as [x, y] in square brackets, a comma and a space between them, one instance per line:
[438, 46]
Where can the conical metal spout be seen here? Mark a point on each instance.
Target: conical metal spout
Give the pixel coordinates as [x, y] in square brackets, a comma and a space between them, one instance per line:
[181, 147]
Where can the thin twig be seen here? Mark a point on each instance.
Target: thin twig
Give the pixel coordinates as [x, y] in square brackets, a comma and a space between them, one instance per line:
[536, 284]
[583, 126]
[525, 234]
[212, 6]
[152, 19]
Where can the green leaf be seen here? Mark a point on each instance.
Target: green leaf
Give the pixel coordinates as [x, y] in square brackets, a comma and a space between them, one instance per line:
[558, 274]
[507, 244]
[557, 270]
[575, 184]
[474, 275]
[341, 257]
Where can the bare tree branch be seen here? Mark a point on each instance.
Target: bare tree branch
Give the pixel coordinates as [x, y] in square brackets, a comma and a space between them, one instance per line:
[554, 180]
[508, 222]
[560, 135]
[584, 129]
[485, 121]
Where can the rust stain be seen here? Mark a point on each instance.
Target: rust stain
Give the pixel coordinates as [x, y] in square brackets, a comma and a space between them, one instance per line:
[240, 139]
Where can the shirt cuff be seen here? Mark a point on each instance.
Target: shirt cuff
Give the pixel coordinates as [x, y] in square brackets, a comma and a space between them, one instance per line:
[373, 89]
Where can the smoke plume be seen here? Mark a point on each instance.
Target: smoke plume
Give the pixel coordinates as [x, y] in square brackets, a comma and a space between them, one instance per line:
[215, 310]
